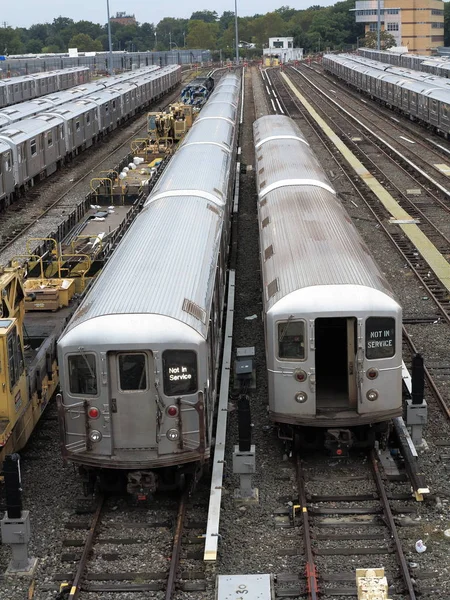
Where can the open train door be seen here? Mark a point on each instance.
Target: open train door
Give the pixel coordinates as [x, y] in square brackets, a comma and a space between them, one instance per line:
[336, 364]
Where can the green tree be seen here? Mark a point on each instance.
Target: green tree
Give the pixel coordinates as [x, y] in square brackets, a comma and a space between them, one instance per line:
[387, 40]
[207, 16]
[10, 42]
[269, 25]
[85, 43]
[446, 23]
[202, 35]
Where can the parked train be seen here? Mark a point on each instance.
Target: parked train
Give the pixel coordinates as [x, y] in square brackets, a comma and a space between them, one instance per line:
[403, 72]
[34, 148]
[24, 110]
[332, 325]
[437, 65]
[26, 87]
[419, 100]
[197, 91]
[139, 359]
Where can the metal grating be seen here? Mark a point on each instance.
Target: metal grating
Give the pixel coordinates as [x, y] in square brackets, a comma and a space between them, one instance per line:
[265, 222]
[195, 310]
[272, 288]
[268, 252]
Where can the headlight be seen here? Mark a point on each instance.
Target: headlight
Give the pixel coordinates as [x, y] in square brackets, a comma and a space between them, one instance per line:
[372, 395]
[173, 435]
[95, 436]
[301, 397]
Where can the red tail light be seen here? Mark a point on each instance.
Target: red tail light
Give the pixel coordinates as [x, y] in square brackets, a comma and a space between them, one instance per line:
[172, 411]
[93, 413]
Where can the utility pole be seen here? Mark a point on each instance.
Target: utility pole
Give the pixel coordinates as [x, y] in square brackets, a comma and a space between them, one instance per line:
[378, 26]
[236, 32]
[110, 69]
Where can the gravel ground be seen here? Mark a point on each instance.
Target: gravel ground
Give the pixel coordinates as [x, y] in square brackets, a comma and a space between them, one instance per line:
[251, 541]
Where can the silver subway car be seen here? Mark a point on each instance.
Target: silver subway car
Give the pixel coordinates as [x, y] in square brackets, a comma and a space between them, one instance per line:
[139, 359]
[333, 327]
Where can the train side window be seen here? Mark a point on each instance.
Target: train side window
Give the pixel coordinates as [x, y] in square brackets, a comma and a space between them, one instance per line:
[132, 372]
[179, 372]
[291, 340]
[33, 147]
[88, 118]
[445, 110]
[50, 139]
[82, 374]
[77, 125]
[380, 337]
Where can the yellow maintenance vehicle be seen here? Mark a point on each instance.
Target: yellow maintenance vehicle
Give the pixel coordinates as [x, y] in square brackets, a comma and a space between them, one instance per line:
[171, 125]
[28, 370]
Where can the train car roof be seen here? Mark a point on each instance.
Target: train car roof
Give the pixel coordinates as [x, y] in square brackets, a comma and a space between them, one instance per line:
[162, 266]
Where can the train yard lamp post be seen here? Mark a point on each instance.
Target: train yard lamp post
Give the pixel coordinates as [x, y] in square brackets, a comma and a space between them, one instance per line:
[184, 39]
[236, 32]
[156, 42]
[110, 69]
[378, 26]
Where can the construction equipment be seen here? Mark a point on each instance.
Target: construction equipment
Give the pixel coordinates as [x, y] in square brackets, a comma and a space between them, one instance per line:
[171, 124]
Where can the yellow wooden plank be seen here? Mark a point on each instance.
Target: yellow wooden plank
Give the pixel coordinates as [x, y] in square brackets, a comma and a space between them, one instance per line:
[434, 258]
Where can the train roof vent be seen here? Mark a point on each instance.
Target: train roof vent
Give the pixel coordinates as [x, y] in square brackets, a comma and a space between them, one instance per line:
[213, 208]
[272, 288]
[261, 171]
[195, 310]
[263, 202]
[265, 222]
[268, 252]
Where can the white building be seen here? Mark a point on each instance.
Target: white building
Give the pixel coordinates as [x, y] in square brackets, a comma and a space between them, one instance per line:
[282, 48]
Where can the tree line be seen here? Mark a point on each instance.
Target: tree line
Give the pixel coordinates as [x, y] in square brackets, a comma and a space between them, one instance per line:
[316, 28]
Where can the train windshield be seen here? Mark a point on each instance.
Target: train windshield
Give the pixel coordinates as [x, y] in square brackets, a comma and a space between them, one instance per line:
[380, 337]
[82, 374]
[132, 372]
[180, 372]
[291, 340]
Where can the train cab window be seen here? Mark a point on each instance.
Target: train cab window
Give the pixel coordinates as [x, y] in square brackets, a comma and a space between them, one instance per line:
[82, 374]
[291, 340]
[380, 337]
[132, 372]
[179, 372]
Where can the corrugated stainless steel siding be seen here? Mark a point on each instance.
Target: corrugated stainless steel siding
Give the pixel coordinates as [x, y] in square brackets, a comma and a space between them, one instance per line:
[142, 278]
[314, 243]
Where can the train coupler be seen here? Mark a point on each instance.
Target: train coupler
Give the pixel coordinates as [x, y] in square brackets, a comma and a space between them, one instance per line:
[338, 442]
[142, 484]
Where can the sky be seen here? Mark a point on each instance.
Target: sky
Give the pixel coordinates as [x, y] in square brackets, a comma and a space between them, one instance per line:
[23, 13]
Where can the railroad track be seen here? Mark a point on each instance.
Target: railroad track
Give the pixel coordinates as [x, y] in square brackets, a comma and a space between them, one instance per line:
[432, 286]
[356, 526]
[107, 550]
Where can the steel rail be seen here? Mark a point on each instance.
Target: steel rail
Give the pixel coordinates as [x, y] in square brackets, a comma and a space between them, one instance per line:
[310, 567]
[393, 528]
[175, 559]
[76, 584]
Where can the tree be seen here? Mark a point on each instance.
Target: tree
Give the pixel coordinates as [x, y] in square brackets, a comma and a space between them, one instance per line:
[387, 40]
[10, 42]
[202, 35]
[85, 43]
[207, 16]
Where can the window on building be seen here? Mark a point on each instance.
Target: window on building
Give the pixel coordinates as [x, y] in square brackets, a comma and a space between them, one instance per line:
[437, 25]
[392, 26]
[435, 11]
[372, 27]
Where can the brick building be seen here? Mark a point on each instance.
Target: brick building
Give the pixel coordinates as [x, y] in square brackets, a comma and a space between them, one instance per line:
[123, 19]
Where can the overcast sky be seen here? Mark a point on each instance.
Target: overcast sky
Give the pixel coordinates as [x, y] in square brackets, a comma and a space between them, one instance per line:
[23, 13]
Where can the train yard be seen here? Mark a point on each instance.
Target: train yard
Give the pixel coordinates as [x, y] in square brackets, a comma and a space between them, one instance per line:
[318, 518]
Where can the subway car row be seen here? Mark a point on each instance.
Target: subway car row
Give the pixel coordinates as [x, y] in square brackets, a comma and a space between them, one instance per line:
[419, 100]
[403, 72]
[140, 357]
[437, 65]
[332, 324]
[17, 112]
[26, 87]
[35, 147]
